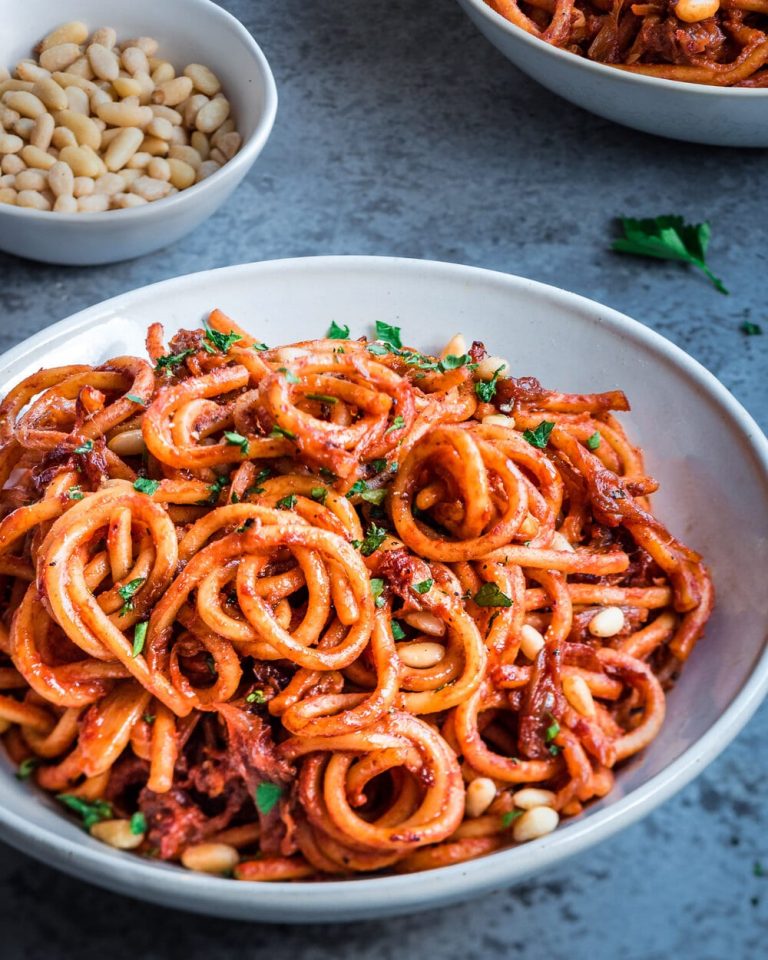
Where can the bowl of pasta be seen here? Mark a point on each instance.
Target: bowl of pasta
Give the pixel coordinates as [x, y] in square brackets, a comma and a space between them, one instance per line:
[690, 70]
[356, 568]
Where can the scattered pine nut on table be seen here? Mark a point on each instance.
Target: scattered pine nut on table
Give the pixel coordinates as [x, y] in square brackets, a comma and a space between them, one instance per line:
[95, 124]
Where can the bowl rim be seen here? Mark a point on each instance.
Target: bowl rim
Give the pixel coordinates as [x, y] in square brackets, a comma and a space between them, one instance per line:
[241, 161]
[398, 894]
[604, 69]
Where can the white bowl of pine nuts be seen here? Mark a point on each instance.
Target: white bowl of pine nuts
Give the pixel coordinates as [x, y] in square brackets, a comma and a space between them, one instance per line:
[123, 126]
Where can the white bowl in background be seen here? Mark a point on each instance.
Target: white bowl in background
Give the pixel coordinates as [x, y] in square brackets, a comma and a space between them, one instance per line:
[188, 31]
[719, 116]
[710, 456]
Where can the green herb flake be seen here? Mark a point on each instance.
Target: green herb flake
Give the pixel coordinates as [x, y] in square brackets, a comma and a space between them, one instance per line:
[149, 718]
[388, 334]
[335, 332]
[508, 818]
[424, 586]
[165, 364]
[85, 447]
[145, 485]
[216, 487]
[237, 440]
[256, 696]
[91, 811]
[751, 329]
[26, 768]
[358, 487]
[374, 537]
[539, 436]
[222, 341]
[319, 494]
[397, 631]
[277, 432]
[75, 493]
[452, 362]
[489, 595]
[593, 442]
[267, 796]
[138, 823]
[376, 497]
[377, 589]
[139, 637]
[126, 593]
[668, 238]
[290, 376]
[321, 397]
[134, 399]
[486, 389]
[259, 347]
[286, 503]
[397, 424]
[377, 349]
[552, 730]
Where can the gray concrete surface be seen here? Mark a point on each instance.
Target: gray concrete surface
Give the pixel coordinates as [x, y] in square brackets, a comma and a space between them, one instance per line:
[401, 131]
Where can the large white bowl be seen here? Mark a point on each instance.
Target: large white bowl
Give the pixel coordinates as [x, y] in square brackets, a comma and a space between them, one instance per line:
[188, 31]
[710, 456]
[720, 116]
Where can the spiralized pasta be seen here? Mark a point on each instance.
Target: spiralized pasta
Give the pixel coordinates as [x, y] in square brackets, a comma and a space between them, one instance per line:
[330, 608]
[719, 42]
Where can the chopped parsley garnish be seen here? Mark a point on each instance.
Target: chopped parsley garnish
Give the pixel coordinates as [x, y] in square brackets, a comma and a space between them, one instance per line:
[668, 238]
[26, 767]
[328, 474]
[237, 440]
[222, 341]
[75, 493]
[138, 823]
[245, 526]
[256, 696]
[85, 447]
[376, 496]
[397, 424]
[335, 332]
[319, 494]
[539, 436]
[377, 589]
[424, 586]
[593, 442]
[374, 537]
[126, 593]
[145, 485]
[259, 347]
[486, 389]
[388, 334]
[509, 817]
[277, 431]
[134, 399]
[321, 397]
[489, 595]
[751, 329]
[452, 362]
[552, 730]
[358, 487]
[255, 489]
[290, 376]
[171, 360]
[92, 811]
[267, 796]
[286, 503]
[377, 349]
[397, 631]
[139, 637]
[378, 465]
[217, 486]
[148, 718]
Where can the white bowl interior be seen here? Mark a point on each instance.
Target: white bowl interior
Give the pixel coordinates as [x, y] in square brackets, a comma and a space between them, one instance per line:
[710, 457]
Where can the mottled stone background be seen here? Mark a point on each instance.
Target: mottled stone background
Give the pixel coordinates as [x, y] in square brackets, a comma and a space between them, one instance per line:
[401, 131]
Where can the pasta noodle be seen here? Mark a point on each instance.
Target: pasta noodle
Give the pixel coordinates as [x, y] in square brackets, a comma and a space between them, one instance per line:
[719, 42]
[330, 608]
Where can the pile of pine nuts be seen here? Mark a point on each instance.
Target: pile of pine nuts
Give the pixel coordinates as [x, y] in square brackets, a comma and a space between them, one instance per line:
[93, 125]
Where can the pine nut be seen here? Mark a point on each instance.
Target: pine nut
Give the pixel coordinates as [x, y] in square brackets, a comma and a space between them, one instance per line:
[30, 71]
[559, 542]
[35, 157]
[480, 795]
[425, 622]
[42, 131]
[23, 127]
[578, 694]
[81, 68]
[124, 115]
[117, 833]
[95, 203]
[160, 127]
[530, 797]
[206, 169]
[8, 195]
[30, 180]
[65, 204]
[229, 144]
[59, 57]
[198, 141]
[607, 623]
[127, 87]
[72, 32]
[498, 420]
[106, 36]
[216, 858]
[128, 176]
[531, 641]
[123, 148]
[211, 116]
[85, 130]
[163, 72]
[63, 137]
[109, 184]
[218, 156]
[693, 11]
[173, 91]
[203, 79]
[150, 189]
[7, 116]
[61, 179]
[12, 163]
[33, 199]
[134, 60]
[487, 367]
[227, 127]
[126, 200]
[187, 154]
[129, 443]
[8, 180]
[159, 169]
[9, 143]
[78, 100]
[83, 161]
[50, 93]
[147, 44]
[182, 174]
[140, 160]
[456, 347]
[147, 87]
[179, 137]
[82, 186]
[529, 527]
[534, 823]
[155, 146]
[167, 113]
[24, 103]
[103, 62]
[4, 75]
[420, 656]
[96, 99]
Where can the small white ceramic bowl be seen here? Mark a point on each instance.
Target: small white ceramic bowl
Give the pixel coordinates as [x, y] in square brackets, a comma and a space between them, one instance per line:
[188, 31]
[707, 452]
[719, 116]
